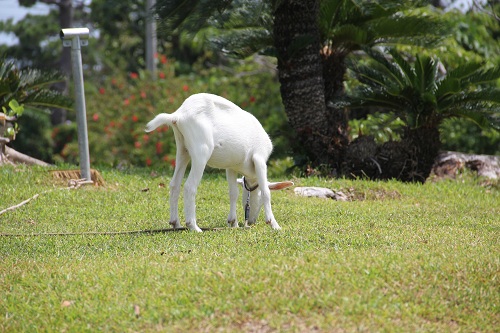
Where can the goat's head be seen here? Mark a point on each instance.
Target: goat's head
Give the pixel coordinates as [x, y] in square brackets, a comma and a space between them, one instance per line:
[252, 197]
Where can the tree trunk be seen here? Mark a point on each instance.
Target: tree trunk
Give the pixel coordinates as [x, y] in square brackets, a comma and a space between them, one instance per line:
[297, 41]
[58, 116]
[426, 143]
[408, 160]
[11, 156]
[334, 69]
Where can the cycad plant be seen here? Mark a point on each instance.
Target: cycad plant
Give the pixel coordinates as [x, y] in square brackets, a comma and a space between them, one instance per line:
[28, 90]
[423, 98]
[30, 87]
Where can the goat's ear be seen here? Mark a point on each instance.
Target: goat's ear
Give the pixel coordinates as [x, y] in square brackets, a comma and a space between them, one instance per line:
[279, 185]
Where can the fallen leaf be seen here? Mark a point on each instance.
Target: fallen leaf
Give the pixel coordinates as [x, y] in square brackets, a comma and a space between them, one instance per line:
[137, 310]
[65, 304]
[145, 189]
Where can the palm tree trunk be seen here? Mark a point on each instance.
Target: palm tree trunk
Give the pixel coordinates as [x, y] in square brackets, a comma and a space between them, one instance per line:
[426, 144]
[300, 68]
[334, 69]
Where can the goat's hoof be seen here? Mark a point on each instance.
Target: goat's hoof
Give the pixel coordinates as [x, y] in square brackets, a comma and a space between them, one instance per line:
[232, 224]
[193, 227]
[175, 224]
[274, 225]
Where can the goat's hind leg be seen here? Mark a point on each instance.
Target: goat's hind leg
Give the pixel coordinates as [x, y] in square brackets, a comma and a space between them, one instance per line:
[181, 162]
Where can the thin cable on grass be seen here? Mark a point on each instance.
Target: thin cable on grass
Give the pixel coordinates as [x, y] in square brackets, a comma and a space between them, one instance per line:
[130, 232]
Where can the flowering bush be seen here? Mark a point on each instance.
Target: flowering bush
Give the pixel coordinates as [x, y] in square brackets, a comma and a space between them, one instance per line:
[119, 108]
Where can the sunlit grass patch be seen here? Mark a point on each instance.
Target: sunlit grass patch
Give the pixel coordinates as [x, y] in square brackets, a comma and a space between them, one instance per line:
[398, 257]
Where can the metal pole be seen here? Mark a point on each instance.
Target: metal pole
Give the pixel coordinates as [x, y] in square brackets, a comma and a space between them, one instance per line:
[81, 117]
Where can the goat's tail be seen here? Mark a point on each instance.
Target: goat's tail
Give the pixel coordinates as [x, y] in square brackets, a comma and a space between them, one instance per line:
[161, 119]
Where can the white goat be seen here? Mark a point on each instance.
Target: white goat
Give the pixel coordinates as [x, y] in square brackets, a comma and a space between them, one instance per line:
[210, 130]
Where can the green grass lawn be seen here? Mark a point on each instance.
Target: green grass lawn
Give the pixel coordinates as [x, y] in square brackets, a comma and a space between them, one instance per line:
[402, 258]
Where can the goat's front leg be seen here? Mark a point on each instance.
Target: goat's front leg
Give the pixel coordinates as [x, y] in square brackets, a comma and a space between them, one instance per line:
[231, 177]
[261, 171]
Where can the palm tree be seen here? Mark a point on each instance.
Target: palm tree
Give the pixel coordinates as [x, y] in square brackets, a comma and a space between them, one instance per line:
[416, 93]
[311, 40]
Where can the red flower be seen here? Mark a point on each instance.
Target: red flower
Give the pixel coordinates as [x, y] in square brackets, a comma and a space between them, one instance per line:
[111, 123]
[161, 75]
[102, 91]
[134, 75]
[185, 87]
[145, 137]
[135, 118]
[113, 82]
[252, 99]
[148, 161]
[126, 101]
[158, 148]
[143, 94]
[137, 144]
[95, 117]
[163, 59]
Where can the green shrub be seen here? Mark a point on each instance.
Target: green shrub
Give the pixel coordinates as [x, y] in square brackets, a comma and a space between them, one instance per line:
[34, 137]
[382, 126]
[456, 134]
[461, 135]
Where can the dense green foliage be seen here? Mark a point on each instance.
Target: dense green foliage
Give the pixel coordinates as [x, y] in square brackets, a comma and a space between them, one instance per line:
[403, 257]
[34, 48]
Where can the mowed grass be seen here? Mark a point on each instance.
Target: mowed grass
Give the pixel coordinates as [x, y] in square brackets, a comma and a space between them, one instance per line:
[401, 258]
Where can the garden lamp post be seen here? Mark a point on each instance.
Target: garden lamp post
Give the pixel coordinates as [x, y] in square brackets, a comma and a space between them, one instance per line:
[75, 38]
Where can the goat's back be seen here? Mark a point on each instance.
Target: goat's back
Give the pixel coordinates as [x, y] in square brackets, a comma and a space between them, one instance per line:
[235, 134]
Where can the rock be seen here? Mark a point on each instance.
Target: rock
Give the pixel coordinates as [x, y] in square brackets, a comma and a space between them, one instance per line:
[448, 164]
[320, 192]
